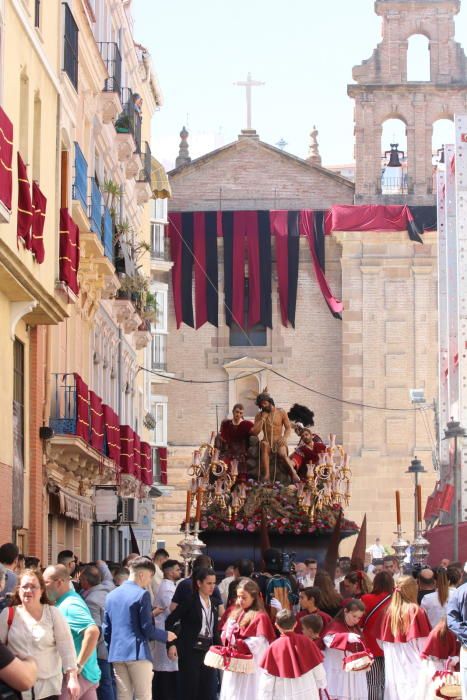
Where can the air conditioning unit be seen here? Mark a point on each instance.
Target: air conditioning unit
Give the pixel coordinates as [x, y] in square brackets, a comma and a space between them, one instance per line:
[129, 510]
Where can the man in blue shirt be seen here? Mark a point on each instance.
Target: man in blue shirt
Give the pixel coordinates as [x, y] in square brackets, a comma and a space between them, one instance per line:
[84, 631]
[457, 623]
[128, 628]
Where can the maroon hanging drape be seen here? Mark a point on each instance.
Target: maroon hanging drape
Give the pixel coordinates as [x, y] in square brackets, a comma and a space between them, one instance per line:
[82, 408]
[127, 456]
[254, 275]
[146, 464]
[371, 217]
[112, 434]
[175, 224]
[6, 159]
[39, 204]
[279, 229]
[163, 463]
[25, 211]
[199, 249]
[137, 455]
[97, 421]
[69, 251]
[306, 228]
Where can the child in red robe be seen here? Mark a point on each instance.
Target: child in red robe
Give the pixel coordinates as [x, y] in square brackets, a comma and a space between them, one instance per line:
[292, 666]
[440, 653]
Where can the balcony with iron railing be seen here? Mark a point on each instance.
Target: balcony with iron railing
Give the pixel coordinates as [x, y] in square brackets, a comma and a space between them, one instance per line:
[159, 352]
[129, 121]
[70, 49]
[80, 183]
[113, 62]
[101, 226]
[95, 208]
[145, 172]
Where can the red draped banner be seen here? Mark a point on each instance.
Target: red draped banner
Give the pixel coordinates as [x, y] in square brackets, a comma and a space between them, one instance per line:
[97, 422]
[39, 204]
[6, 159]
[25, 211]
[137, 455]
[146, 464]
[127, 455]
[163, 464]
[112, 433]
[82, 408]
[69, 251]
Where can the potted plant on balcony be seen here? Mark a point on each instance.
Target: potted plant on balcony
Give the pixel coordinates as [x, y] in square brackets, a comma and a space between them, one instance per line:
[111, 191]
[122, 124]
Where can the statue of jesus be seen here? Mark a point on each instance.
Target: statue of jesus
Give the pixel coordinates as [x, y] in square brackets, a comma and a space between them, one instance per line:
[275, 427]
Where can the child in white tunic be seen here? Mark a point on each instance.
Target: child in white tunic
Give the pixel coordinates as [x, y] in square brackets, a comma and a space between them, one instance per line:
[404, 631]
[343, 636]
[292, 666]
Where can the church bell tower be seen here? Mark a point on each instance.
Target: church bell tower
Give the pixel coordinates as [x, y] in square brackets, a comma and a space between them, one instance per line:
[381, 91]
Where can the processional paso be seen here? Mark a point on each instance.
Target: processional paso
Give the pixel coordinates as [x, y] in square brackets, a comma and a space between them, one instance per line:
[245, 477]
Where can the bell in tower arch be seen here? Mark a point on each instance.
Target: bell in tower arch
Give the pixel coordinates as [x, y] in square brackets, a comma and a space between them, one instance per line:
[392, 178]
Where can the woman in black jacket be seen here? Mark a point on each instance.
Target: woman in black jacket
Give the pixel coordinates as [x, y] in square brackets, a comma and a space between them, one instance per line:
[197, 619]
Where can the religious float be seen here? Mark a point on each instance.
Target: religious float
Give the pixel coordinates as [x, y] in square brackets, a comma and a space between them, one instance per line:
[247, 492]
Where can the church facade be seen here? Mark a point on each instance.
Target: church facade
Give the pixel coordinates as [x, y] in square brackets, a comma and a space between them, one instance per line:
[354, 372]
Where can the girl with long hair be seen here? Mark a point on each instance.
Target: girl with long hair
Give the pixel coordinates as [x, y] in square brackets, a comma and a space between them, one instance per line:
[404, 632]
[356, 584]
[342, 637]
[331, 600]
[249, 630]
[33, 627]
[376, 603]
[441, 651]
[435, 604]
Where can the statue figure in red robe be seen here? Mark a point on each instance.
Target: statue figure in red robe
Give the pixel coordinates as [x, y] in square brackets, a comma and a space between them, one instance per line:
[307, 451]
[234, 436]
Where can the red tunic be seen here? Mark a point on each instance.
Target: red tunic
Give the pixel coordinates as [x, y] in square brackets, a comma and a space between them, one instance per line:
[372, 628]
[291, 656]
[340, 632]
[419, 627]
[235, 438]
[260, 626]
[440, 647]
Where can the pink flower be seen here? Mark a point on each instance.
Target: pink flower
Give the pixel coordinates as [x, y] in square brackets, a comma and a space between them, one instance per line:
[281, 530]
[240, 526]
[251, 527]
[285, 521]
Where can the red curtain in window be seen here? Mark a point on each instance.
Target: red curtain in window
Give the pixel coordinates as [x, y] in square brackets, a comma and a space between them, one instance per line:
[25, 212]
[82, 408]
[39, 205]
[69, 251]
[6, 159]
[137, 455]
[163, 462]
[97, 422]
[146, 464]
[112, 433]
[127, 455]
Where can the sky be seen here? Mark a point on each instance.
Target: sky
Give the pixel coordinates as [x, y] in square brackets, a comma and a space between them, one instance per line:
[303, 50]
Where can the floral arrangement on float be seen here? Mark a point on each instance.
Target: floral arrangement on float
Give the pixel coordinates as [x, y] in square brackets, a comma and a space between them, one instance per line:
[227, 501]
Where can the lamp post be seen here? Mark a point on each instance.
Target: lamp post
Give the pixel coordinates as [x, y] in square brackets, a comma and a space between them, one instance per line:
[455, 430]
[416, 468]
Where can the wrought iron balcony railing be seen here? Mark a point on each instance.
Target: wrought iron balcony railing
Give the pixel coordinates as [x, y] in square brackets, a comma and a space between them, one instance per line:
[70, 51]
[145, 173]
[113, 62]
[129, 120]
[80, 184]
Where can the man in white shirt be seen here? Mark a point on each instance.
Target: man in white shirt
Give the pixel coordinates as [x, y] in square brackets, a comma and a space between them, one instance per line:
[311, 569]
[376, 550]
[164, 685]
[161, 555]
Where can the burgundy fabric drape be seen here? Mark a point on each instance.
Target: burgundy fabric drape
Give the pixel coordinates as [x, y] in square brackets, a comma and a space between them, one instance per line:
[6, 159]
[238, 269]
[146, 464]
[97, 421]
[137, 455]
[69, 251]
[205, 266]
[306, 227]
[39, 204]
[163, 463]
[180, 232]
[82, 408]
[112, 434]
[372, 217]
[25, 211]
[127, 456]
[284, 226]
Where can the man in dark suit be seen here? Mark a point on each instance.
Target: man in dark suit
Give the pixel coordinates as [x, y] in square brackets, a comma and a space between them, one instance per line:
[128, 628]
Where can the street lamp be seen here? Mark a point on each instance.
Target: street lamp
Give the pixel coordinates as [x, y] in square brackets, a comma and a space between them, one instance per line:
[455, 430]
[416, 468]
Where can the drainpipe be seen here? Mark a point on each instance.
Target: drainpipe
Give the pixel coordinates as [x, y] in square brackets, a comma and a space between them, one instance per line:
[119, 373]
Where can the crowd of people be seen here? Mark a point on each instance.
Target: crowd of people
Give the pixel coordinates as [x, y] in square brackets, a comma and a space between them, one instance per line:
[139, 630]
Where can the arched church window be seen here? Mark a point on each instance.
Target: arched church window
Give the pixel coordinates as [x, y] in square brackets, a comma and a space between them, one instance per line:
[418, 59]
[393, 157]
[443, 133]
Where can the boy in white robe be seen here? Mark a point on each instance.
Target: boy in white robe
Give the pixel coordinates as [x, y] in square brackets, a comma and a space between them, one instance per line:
[292, 666]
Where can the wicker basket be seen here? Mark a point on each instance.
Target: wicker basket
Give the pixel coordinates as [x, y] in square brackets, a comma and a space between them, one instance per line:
[228, 659]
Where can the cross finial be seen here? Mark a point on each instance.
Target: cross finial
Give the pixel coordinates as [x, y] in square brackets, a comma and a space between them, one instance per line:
[248, 84]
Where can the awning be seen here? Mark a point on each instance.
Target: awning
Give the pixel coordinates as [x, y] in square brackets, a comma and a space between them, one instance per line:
[72, 505]
[160, 184]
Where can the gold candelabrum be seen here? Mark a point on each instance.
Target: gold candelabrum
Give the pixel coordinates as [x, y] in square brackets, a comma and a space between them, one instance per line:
[327, 482]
